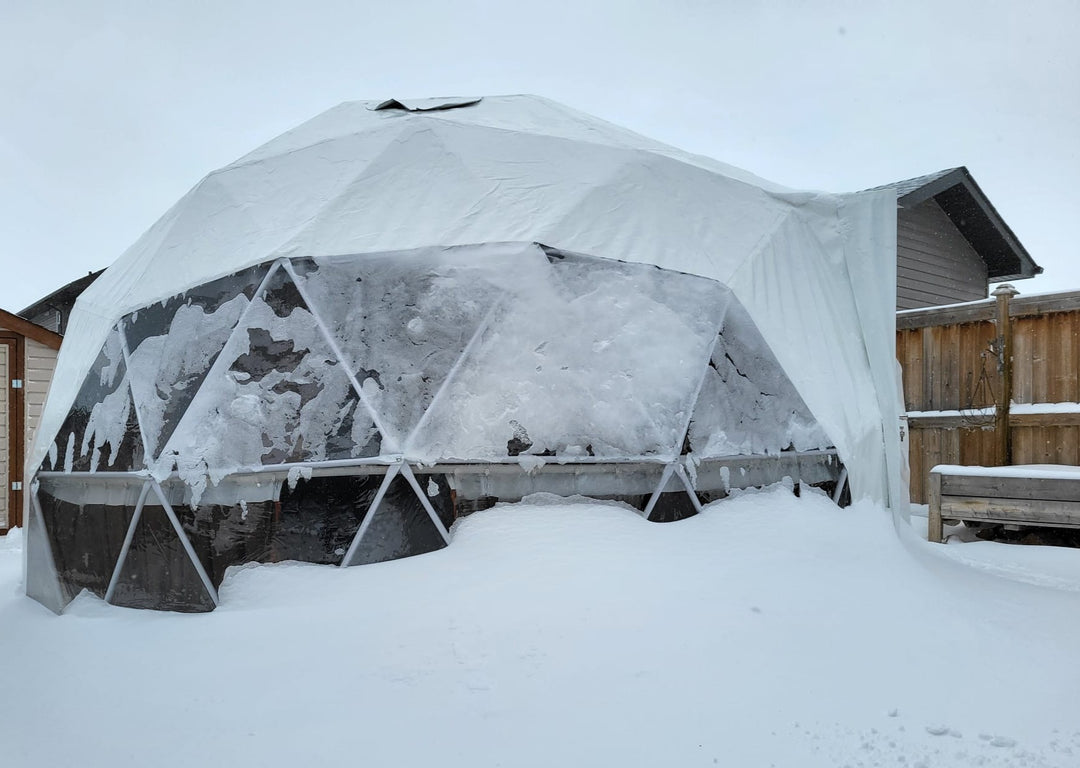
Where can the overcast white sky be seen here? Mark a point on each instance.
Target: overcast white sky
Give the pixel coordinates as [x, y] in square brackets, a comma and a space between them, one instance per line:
[110, 111]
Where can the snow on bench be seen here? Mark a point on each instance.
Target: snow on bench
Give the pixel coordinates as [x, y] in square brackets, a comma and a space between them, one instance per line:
[1030, 494]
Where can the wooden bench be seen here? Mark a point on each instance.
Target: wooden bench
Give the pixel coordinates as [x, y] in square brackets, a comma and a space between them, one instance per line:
[1032, 494]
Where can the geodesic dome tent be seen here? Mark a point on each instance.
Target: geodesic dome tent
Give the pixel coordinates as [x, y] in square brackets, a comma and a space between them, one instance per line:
[402, 311]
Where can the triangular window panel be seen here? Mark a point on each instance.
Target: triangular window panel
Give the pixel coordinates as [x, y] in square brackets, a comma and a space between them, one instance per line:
[585, 357]
[318, 519]
[87, 523]
[400, 528]
[671, 506]
[276, 394]
[403, 320]
[101, 432]
[158, 573]
[656, 328]
[747, 403]
[172, 345]
[223, 535]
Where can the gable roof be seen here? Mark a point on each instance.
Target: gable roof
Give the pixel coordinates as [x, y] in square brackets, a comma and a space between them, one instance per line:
[63, 297]
[41, 335]
[971, 211]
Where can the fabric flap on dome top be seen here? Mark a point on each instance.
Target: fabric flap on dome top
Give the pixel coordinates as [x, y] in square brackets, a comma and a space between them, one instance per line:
[428, 105]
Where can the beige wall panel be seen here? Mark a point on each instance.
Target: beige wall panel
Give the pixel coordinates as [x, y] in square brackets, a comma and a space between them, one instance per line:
[40, 365]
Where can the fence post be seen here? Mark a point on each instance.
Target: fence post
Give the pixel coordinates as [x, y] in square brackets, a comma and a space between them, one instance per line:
[1004, 293]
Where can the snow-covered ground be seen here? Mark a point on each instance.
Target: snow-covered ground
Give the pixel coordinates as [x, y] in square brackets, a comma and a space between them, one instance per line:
[770, 630]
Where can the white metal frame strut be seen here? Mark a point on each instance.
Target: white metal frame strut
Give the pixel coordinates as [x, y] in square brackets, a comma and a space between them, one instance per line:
[153, 485]
[405, 471]
[313, 308]
[391, 473]
[219, 361]
[128, 537]
[677, 469]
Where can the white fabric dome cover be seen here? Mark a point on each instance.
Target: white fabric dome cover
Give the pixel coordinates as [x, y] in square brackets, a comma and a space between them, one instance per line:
[472, 279]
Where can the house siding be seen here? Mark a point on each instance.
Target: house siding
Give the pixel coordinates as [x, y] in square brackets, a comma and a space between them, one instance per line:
[935, 264]
[48, 319]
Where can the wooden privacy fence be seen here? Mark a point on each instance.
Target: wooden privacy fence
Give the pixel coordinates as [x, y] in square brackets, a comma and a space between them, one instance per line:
[963, 364]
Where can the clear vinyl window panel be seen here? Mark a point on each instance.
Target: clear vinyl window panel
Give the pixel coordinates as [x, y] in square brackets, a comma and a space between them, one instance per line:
[101, 432]
[470, 353]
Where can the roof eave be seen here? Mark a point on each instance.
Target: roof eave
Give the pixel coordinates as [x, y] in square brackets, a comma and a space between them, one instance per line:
[961, 177]
[30, 330]
[932, 188]
[70, 290]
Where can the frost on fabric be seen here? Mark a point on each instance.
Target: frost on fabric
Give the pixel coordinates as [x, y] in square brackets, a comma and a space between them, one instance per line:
[276, 394]
[100, 431]
[747, 403]
[403, 320]
[172, 345]
[583, 357]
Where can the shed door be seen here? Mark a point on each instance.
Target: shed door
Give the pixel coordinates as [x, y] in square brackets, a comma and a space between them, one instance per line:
[10, 434]
[6, 354]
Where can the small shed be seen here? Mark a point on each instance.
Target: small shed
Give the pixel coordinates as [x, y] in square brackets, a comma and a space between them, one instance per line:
[951, 242]
[27, 360]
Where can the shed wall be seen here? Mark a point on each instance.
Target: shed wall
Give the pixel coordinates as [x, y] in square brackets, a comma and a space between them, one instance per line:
[17, 426]
[38, 375]
[40, 365]
[935, 264]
